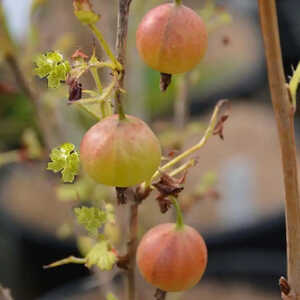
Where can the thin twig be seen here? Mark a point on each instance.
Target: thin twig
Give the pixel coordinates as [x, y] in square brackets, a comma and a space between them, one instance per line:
[127, 262]
[285, 122]
[121, 46]
[208, 133]
[132, 246]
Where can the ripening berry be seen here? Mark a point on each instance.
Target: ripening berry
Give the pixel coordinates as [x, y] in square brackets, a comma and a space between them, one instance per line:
[172, 259]
[120, 153]
[171, 38]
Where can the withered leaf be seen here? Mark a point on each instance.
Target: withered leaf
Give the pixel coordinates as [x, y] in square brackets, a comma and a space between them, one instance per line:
[75, 89]
[121, 195]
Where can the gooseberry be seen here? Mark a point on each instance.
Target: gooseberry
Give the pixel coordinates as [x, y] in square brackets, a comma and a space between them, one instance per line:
[171, 38]
[172, 259]
[120, 152]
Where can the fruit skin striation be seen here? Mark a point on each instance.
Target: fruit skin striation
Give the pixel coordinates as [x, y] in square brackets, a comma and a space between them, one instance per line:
[171, 38]
[171, 259]
[120, 153]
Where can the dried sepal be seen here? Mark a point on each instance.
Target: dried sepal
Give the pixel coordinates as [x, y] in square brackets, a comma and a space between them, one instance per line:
[165, 81]
[167, 186]
[121, 195]
[75, 89]
[219, 128]
[123, 262]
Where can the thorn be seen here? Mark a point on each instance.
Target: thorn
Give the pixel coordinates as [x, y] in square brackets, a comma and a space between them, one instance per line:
[284, 286]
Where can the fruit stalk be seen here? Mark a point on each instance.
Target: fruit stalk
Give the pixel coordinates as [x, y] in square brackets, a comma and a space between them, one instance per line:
[105, 45]
[208, 133]
[178, 2]
[179, 218]
[285, 124]
[121, 44]
[181, 105]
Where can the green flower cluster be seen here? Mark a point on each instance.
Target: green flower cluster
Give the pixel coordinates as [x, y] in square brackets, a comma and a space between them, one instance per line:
[65, 160]
[51, 65]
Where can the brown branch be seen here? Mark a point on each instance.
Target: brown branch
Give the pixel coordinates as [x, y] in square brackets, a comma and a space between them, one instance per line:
[131, 248]
[285, 123]
[121, 47]
[127, 261]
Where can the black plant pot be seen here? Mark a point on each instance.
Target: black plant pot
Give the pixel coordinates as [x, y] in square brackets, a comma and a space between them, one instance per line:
[255, 254]
[25, 249]
[82, 288]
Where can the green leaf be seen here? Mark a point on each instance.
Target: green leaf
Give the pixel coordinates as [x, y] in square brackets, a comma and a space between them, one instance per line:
[294, 85]
[65, 160]
[102, 256]
[92, 218]
[111, 296]
[71, 168]
[53, 66]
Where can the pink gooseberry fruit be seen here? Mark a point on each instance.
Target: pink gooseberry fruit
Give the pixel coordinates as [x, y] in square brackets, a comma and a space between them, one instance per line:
[120, 153]
[171, 38]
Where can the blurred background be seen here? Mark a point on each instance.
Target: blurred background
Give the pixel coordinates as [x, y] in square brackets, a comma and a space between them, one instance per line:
[234, 195]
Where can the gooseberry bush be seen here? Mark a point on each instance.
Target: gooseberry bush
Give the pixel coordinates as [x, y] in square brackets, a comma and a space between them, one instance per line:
[122, 151]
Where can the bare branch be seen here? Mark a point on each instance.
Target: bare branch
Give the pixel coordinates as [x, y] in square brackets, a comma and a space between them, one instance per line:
[284, 114]
[121, 46]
